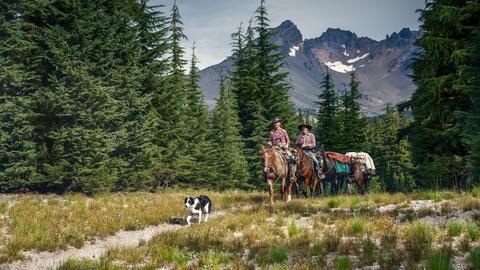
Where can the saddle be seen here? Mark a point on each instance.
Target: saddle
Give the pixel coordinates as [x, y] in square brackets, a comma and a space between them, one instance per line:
[341, 161]
[338, 157]
[289, 160]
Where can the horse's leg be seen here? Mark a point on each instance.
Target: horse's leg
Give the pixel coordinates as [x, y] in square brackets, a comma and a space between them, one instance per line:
[283, 187]
[290, 185]
[310, 184]
[306, 185]
[297, 191]
[322, 188]
[315, 184]
[366, 184]
[270, 190]
[335, 186]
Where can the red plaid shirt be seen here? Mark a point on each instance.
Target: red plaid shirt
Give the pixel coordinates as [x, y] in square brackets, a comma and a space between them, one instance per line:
[279, 137]
[307, 140]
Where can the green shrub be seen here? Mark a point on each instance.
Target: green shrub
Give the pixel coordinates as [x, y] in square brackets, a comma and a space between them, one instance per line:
[317, 250]
[475, 258]
[273, 255]
[173, 255]
[342, 263]
[418, 238]
[368, 251]
[334, 203]
[390, 258]
[454, 229]
[357, 226]
[476, 192]
[440, 260]
[212, 260]
[330, 241]
[293, 229]
[473, 232]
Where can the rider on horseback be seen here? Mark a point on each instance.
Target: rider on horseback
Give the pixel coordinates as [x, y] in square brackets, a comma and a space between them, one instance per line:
[280, 140]
[306, 141]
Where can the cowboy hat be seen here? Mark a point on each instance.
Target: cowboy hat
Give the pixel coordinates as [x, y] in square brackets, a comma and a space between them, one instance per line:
[305, 125]
[277, 119]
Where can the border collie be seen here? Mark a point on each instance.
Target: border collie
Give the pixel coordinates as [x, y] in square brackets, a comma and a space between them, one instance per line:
[199, 205]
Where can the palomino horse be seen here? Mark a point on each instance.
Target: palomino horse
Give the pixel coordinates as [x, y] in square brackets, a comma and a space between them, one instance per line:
[360, 178]
[306, 172]
[275, 167]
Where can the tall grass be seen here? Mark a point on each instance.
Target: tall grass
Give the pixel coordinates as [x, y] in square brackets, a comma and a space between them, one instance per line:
[418, 239]
[50, 222]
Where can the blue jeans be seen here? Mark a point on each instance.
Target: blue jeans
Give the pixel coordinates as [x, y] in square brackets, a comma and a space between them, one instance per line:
[312, 155]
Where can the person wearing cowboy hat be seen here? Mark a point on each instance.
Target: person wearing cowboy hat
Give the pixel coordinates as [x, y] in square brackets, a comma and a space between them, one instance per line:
[306, 142]
[279, 139]
[278, 135]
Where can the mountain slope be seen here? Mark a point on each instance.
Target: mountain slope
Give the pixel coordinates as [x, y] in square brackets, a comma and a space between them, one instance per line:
[382, 67]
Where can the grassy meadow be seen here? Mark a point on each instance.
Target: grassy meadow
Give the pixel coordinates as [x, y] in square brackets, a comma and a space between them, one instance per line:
[379, 230]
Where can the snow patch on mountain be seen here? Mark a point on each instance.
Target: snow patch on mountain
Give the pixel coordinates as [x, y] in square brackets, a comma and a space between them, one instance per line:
[293, 50]
[344, 50]
[353, 60]
[338, 66]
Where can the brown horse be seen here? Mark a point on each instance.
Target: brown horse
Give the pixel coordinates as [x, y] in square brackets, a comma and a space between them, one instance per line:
[275, 167]
[360, 178]
[306, 172]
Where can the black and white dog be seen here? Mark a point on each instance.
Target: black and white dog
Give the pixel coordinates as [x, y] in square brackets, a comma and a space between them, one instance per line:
[199, 205]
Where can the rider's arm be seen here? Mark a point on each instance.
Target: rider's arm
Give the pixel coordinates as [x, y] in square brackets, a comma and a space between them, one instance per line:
[299, 141]
[314, 143]
[287, 139]
[270, 140]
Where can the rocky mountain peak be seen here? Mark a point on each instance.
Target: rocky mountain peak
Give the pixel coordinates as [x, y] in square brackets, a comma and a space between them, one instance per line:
[382, 67]
[287, 35]
[337, 35]
[402, 38]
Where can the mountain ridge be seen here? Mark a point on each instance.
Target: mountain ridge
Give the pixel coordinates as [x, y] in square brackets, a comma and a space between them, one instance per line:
[382, 67]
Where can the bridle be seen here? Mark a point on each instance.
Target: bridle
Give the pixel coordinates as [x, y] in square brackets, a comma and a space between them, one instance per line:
[266, 162]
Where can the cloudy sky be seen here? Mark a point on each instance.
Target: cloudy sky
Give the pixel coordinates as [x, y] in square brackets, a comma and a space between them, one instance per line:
[210, 22]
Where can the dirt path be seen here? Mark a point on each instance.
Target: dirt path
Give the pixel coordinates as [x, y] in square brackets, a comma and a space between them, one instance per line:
[94, 250]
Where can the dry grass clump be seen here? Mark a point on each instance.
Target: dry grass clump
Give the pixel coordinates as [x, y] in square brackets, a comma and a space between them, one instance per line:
[272, 237]
[50, 222]
[418, 239]
[305, 234]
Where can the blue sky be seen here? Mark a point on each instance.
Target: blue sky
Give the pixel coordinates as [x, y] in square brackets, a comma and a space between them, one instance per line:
[210, 22]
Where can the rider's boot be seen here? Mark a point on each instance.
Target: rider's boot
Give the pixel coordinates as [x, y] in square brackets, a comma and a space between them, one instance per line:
[321, 174]
[289, 168]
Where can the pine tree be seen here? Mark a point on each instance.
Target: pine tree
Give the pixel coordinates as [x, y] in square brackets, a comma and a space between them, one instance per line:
[228, 158]
[327, 116]
[79, 120]
[18, 154]
[472, 88]
[352, 133]
[176, 159]
[437, 131]
[197, 114]
[272, 83]
[244, 81]
[392, 154]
